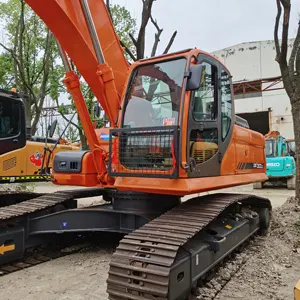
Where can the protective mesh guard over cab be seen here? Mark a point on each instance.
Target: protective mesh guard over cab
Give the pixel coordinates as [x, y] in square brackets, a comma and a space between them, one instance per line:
[144, 152]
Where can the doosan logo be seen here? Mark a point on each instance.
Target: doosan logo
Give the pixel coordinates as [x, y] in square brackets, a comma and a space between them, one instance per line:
[273, 164]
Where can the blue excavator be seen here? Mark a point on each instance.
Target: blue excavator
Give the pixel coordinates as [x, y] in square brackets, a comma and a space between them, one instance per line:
[281, 165]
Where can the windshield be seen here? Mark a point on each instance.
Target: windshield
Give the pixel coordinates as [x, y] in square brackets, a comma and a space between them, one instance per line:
[269, 148]
[154, 95]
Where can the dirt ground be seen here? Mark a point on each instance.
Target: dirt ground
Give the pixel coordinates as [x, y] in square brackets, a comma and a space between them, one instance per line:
[268, 271]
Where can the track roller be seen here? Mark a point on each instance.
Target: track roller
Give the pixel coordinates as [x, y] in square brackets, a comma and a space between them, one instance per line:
[264, 220]
[291, 183]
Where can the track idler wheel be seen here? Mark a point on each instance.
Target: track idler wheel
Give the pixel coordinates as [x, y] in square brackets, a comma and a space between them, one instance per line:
[264, 220]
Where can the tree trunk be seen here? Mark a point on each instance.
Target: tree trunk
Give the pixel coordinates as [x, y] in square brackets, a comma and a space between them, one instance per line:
[296, 120]
[83, 140]
[28, 113]
[36, 119]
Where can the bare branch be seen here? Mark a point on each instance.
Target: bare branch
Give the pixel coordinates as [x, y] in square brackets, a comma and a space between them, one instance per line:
[294, 53]
[7, 49]
[128, 51]
[277, 46]
[147, 8]
[133, 39]
[281, 56]
[285, 30]
[154, 22]
[170, 42]
[157, 36]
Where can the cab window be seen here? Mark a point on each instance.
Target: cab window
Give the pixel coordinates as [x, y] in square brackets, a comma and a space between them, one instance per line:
[226, 100]
[155, 94]
[10, 118]
[204, 98]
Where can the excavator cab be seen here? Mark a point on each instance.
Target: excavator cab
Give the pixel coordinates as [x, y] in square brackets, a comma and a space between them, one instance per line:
[177, 121]
[12, 122]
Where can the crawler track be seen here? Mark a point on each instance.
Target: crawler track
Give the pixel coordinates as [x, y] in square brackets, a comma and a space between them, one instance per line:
[15, 224]
[39, 256]
[33, 205]
[141, 267]
[147, 263]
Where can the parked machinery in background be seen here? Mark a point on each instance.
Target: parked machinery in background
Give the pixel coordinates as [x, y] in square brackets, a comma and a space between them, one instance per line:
[25, 158]
[281, 165]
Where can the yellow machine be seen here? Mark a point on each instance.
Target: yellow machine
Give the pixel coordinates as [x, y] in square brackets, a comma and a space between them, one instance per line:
[297, 291]
[24, 159]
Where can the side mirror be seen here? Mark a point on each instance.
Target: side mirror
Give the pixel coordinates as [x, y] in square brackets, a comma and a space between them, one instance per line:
[52, 128]
[194, 80]
[97, 110]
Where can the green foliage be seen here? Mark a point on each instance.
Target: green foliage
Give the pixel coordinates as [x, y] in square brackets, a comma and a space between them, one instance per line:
[6, 71]
[124, 25]
[72, 134]
[28, 57]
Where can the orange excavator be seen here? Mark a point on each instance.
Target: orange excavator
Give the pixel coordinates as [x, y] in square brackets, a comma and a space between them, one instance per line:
[173, 132]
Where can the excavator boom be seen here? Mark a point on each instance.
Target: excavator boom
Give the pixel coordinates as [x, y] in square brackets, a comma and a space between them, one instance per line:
[66, 20]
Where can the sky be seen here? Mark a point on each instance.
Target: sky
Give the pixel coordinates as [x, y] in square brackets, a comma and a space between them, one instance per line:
[211, 25]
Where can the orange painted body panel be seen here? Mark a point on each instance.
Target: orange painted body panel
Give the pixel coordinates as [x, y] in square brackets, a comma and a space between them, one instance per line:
[246, 146]
[66, 21]
[87, 177]
[185, 186]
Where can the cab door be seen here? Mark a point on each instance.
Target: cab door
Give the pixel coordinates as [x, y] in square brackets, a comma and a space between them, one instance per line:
[210, 121]
[12, 124]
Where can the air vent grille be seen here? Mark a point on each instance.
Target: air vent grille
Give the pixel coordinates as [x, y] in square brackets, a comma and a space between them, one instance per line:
[9, 164]
[73, 165]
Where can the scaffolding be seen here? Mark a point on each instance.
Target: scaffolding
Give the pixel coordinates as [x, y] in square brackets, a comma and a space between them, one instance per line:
[245, 87]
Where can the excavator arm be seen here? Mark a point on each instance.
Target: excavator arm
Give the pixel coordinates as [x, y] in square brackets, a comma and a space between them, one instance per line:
[67, 21]
[78, 26]
[272, 133]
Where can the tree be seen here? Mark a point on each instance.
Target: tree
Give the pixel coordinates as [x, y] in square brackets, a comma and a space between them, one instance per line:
[290, 71]
[30, 46]
[124, 24]
[6, 78]
[139, 42]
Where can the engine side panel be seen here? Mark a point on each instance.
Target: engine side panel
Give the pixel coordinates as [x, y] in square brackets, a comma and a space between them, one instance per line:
[245, 153]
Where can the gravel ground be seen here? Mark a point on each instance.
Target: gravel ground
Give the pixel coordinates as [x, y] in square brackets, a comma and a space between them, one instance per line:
[267, 269]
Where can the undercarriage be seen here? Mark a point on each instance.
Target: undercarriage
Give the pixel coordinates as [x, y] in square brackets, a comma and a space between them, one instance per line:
[169, 244]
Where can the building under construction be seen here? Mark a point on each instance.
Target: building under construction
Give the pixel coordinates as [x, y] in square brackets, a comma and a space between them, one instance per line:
[259, 94]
